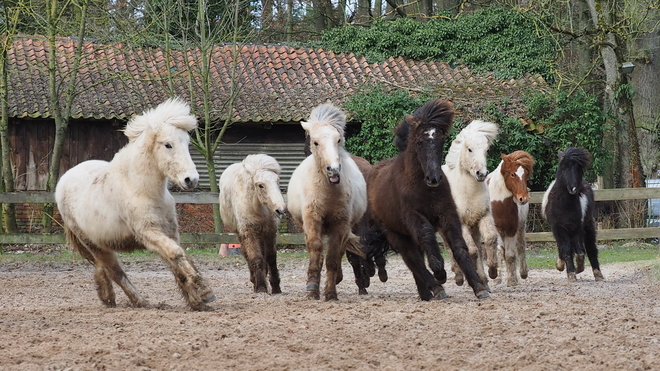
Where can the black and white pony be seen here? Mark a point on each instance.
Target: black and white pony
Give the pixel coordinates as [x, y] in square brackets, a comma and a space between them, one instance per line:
[568, 205]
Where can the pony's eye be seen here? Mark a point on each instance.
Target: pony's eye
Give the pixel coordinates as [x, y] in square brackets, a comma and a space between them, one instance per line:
[260, 185]
[513, 175]
[338, 141]
[469, 149]
[316, 143]
[168, 145]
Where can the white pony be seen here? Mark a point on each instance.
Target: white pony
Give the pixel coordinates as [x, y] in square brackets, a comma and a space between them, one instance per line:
[251, 206]
[124, 205]
[465, 169]
[327, 193]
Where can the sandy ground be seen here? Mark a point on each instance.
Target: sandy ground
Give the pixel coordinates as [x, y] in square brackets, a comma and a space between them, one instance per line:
[51, 319]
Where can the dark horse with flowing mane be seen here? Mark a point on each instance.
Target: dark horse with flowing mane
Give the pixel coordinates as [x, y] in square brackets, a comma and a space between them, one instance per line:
[410, 200]
[568, 205]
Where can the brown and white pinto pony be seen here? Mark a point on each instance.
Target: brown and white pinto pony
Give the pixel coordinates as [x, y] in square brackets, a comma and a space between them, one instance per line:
[124, 205]
[251, 205]
[509, 197]
[327, 194]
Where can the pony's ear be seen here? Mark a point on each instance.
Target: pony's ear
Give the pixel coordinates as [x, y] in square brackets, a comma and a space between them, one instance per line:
[305, 125]
[560, 154]
[503, 156]
[410, 119]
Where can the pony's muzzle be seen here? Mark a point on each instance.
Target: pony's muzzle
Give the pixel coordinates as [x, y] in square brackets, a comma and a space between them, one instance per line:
[333, 174]
[522, 200]
[480, 176]
[433, 181]
[572, 190]
[190, 183]
[280, 212]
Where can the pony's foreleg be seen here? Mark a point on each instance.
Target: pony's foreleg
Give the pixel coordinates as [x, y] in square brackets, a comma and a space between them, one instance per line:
[270, 252]
[425, 237]
[250, 246]
[521, 247]
[476, 252]
[458, 273]
[592, 250]
[192, 285]
[510, 251]
[314, 242]
[333, 258]
[492, 242]
[565, 253]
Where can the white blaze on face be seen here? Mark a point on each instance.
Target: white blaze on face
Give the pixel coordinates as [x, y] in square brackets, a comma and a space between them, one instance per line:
[430, 133]
[520, 172]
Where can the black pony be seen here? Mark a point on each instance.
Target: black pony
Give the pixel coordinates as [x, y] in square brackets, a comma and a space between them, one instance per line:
[410, 200]
[568, 205]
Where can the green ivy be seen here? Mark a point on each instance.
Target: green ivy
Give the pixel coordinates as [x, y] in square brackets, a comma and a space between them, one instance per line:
[568, 120]
[379, 112]
[493, 39]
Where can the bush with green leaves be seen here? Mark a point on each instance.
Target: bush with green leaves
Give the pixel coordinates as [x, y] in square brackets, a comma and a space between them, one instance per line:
[561, 121]
[493, 39]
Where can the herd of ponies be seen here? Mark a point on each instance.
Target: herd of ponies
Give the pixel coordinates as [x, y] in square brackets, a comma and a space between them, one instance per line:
[344, 205]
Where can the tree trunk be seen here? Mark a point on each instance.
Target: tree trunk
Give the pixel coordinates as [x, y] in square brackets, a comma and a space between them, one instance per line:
[450, 5]
[319, 15]
[7, 184]
[289, 21]
[61, 114]
[363, 12]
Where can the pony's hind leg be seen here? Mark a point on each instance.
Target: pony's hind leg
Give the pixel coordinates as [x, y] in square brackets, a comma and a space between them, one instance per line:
[113, 270]
[359, 270]
[510, 260]
[521, 247]
[492, 242]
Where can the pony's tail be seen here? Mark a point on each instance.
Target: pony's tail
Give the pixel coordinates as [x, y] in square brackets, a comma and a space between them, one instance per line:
[78, 246]
[354, 246]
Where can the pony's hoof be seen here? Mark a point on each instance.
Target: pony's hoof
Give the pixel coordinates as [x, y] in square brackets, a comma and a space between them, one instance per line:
[511, 283]
[382, 275]
[492, 272]
[579, 263]
[439, 293]
[362, 291]
[276, 290]
[210, 299]
[313, 291]
[523, 275]
[560, 265]
[261, 290]
[598, 275]
[482, 294]
[459, 280]
[331, 296]
[571, 277]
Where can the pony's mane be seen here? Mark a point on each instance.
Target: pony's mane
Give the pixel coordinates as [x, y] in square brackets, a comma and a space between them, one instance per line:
[254, 163]
[436, 112]
[578, 155]
[174, 111]
[329, 114]
[523, 159]
[475, 128]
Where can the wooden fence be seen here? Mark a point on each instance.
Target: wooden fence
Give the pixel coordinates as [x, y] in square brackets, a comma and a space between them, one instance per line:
[298, 238]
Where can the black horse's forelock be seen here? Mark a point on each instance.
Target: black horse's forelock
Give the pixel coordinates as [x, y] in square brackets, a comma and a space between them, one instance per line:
[579, 156]
[436, 113]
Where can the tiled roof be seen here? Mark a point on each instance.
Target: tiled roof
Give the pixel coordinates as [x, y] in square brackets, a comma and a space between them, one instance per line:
[276, 83]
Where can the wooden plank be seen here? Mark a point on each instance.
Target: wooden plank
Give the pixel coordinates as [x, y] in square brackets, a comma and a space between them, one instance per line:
[604, 234]
[43, 197]
[617, 194]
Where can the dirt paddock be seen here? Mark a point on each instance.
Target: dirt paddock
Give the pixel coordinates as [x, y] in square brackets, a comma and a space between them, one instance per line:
[51, 319]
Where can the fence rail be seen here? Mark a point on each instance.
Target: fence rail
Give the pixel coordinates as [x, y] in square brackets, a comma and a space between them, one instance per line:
[298, 239]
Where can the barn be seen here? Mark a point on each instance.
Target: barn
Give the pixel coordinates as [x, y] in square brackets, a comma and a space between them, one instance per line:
[275, 87]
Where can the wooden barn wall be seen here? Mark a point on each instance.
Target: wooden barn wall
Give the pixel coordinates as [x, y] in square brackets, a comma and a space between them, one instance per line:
[32, 142]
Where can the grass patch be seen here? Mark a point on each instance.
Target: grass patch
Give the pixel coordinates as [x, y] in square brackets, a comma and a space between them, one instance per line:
[620, 252]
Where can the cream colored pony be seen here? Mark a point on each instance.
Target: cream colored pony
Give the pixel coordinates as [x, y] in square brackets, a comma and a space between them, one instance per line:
[124, 205]
[465, 168]
[328, 195]
[251, 205]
